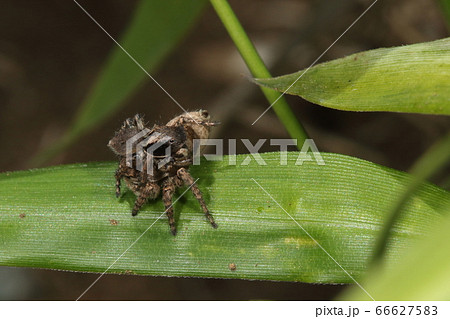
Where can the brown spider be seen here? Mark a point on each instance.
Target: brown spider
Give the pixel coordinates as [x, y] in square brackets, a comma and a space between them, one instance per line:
[161, 159]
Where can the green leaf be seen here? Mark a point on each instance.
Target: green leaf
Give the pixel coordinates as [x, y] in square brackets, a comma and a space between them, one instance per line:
[67, 217]
[412, 78]
[155, 29]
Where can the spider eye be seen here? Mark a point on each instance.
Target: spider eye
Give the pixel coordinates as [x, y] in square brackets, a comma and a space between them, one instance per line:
[205, 113]
[172, 140]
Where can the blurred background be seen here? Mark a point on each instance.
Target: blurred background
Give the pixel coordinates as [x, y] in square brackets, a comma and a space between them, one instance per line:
[51, 54]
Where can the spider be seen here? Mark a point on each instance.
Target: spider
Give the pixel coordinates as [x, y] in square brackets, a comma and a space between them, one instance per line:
[164, 154]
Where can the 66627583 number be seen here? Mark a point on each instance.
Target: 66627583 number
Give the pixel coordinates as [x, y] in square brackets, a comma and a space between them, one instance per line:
[407, 310]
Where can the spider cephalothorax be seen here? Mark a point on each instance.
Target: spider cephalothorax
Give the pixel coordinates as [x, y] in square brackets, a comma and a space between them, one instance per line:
[157, 159]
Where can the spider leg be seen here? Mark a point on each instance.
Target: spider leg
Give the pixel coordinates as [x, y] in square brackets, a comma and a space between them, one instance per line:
[122, 171]
[149, 190]
[119, 174]
[167, 194]
[188, 180]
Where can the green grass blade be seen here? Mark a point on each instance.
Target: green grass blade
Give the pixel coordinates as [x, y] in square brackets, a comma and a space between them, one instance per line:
[155, 29]
[258, 69]
[67, 217]
[412, 78]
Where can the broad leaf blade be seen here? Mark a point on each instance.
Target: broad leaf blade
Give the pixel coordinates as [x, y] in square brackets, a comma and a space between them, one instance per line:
[413, 78]
[74, 222]
[155, 29]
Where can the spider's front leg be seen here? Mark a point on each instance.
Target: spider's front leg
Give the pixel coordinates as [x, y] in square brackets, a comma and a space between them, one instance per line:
[188, 180]
[119, 174]
[168, 190]
[122, 171]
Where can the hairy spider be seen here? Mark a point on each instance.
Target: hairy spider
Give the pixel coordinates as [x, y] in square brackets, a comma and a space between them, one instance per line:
[154, 161]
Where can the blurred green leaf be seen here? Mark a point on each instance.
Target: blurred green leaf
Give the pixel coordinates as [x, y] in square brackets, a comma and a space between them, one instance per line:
[437, 157]
[67, 217]
[422, 274]
[445, 5]
[412, 78]
[155, 29]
